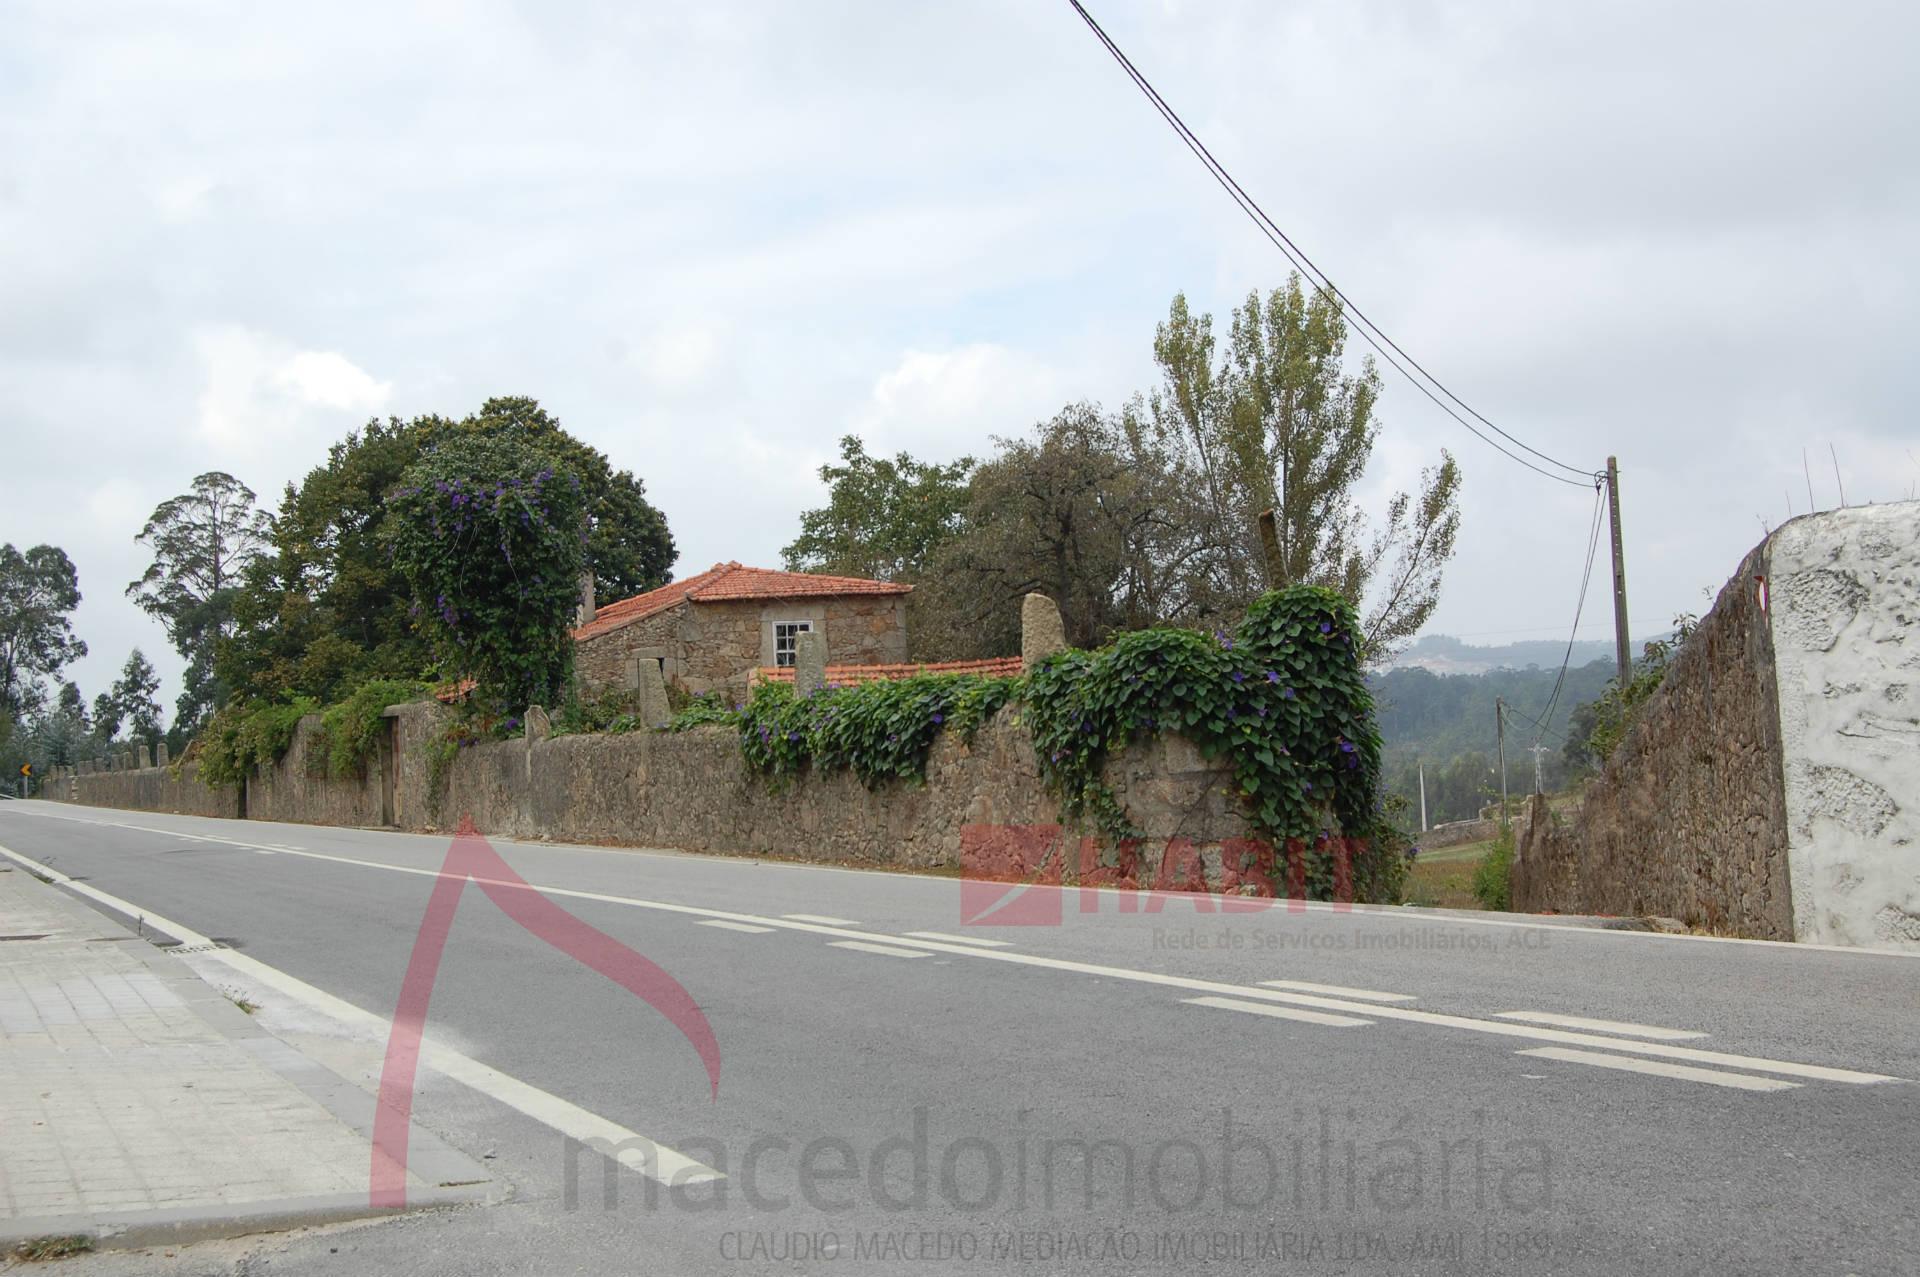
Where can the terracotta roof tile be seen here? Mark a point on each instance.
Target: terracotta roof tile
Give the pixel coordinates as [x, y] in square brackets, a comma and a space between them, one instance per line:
[725, 582]
[991, 667]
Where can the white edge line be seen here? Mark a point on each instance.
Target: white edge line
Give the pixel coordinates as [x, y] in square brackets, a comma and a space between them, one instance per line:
[1626, 1064]
[982, 941]
[726, 925]
[635, 1151]
[1277, 1012]
[1651, 1031]
[888, 950]
[1500, 1027]
[1363, 995]
[1528, 923]
[825, 920]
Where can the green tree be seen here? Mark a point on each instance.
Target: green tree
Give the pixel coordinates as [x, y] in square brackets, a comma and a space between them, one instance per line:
[488, 531]
[1077, 512]
[1275, 421]
[38, 591]
[203, 541]
[326, 608]
[884, 518]
[131, 703]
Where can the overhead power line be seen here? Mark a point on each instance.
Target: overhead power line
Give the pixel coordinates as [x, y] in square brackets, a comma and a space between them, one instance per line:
[1384, 346]
[1586, 578]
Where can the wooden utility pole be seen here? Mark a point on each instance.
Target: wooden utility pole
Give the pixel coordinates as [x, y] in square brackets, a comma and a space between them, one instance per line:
[1623, 651]
[1270, 550]
[1500, 729]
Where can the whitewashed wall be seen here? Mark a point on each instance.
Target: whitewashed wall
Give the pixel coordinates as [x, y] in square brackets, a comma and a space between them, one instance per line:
[1845, 618]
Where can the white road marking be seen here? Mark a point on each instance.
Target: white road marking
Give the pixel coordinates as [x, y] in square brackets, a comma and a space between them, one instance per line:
[634, 1151]
[1626, 1064]
[825, 920]
[1602, 1026]
[941, 935]
[1364, 995]
[1400, 912]
[747, 927]
[1278, 1013]
[889, 950]
[1504, 1028]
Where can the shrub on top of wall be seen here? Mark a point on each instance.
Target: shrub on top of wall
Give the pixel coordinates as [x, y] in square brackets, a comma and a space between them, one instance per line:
[352, 727]
[242, 738]
[1281, 700]
[880, 731]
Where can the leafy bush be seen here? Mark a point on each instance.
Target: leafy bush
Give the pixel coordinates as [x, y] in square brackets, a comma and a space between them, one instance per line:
[490, 535]
[1598, 727]
[1493, 879]
[243, 738]
[880, 730]
[352, 727]
[1282, 700]
[705, 710]
[609, 710]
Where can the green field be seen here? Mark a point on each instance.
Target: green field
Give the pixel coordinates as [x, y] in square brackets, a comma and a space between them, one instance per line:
[1444, 879]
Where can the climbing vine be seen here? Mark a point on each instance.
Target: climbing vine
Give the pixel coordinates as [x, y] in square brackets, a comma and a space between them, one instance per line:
[490, 536]
[880, 731]
[1281, 700]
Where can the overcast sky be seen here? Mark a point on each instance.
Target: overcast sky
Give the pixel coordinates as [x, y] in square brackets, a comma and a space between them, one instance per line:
[713, 238]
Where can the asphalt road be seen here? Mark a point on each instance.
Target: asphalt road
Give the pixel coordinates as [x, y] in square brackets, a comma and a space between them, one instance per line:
[904, 1090]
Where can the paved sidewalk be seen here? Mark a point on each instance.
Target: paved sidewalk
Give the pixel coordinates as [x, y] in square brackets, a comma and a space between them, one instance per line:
[139, 1104]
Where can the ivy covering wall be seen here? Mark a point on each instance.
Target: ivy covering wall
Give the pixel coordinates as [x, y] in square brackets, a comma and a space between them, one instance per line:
[1280, 701]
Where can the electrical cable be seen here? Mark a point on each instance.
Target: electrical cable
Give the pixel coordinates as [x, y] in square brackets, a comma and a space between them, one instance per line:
[1368, 330]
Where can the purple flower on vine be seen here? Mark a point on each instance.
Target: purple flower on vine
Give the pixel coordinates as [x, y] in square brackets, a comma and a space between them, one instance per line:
[1239, 677]
[939, 718]
[1326, 627]
[1273, 676]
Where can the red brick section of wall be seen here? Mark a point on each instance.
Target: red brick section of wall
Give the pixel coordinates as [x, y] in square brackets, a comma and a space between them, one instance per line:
[990, 667]
[1688, 820]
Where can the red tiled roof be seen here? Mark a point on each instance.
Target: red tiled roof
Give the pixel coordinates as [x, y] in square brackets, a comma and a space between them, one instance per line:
[724, 582]
[991, 667]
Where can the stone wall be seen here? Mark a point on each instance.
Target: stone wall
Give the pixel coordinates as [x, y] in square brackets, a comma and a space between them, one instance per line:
[1771, 787]
[147, 789]
[1687, 820]
[298, 790]
[692, 790]
[716, 646]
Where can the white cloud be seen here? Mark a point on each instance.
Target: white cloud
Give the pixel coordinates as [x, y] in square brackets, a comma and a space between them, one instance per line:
[948, 401]
[261, 394]
[679, 358]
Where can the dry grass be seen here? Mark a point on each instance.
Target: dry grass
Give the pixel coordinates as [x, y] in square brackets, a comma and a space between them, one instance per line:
[39, 1250]
[1444, 879]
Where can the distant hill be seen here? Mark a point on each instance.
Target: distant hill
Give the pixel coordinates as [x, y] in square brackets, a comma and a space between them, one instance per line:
[1444, 654]
[1445, 720]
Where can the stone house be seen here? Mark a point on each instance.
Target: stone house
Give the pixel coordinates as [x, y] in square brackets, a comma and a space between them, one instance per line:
[714, 630]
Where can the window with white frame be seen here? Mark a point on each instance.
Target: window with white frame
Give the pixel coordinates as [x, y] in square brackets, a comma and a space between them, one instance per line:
[786, 640]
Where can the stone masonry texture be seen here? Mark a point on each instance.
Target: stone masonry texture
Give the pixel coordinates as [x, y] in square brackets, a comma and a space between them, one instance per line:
[715, 646]
[692, 790]
[1688, 819]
